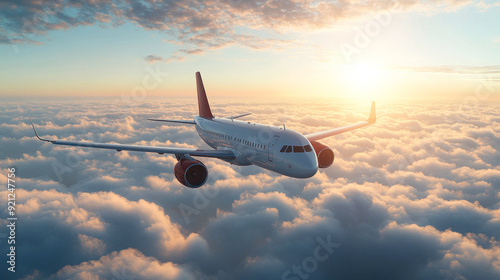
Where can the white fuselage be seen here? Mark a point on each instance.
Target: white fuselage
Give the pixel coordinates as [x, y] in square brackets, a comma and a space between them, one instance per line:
[260, 145]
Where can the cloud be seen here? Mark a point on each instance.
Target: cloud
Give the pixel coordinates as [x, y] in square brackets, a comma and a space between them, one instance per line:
[174, 57]
[153, 58]
[91, 244]
[192, 51]
[93, 224]
[123, 265]
[484, 73]
[457, 69]
[413, 196]
[203, 25]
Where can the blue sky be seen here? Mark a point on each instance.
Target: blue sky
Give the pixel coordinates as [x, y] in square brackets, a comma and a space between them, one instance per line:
[260, 54]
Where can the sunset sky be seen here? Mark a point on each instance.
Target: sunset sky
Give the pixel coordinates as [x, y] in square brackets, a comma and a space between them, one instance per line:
[339, 49]
[413, 196]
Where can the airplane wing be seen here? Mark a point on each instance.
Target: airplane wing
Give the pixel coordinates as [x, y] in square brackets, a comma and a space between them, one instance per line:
[335, 131]
[222, 154]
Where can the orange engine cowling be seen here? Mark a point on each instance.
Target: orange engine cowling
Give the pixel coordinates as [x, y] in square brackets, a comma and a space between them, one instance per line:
[325, 155]
[191, 173]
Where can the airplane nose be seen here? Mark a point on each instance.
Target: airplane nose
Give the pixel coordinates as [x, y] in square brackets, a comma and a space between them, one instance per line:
[308, 168]
[309, 172]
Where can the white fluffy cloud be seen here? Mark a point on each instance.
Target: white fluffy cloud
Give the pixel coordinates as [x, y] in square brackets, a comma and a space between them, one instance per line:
[125, 264]
[413, 196]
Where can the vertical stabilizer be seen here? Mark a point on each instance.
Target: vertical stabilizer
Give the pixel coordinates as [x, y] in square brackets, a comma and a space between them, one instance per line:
[203, 105]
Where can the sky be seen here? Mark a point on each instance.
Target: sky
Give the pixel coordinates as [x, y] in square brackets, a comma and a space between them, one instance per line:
[413, 196]
[332, 50]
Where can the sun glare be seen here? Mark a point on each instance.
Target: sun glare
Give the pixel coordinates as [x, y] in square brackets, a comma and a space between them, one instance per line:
[363, 79]
[363, 74]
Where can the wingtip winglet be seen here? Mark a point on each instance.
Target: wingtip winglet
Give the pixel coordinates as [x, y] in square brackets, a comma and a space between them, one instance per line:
[34, 129]
[373, 115]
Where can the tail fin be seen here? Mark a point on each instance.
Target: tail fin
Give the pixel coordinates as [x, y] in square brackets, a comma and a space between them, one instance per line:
[203, 106]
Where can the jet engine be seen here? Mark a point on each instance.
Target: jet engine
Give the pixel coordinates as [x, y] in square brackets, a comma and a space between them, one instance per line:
[325, 155]
[190, 172]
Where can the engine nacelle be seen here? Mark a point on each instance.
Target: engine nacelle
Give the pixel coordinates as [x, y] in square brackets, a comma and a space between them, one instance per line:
[325, 155]
[190, 172]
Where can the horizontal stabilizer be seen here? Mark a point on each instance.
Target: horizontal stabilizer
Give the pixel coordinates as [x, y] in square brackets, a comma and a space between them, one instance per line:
[239, 116]
[173, 121]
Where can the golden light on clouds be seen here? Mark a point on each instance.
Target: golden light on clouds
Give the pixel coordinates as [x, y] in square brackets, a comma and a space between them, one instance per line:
[413, 196]
[422, 172]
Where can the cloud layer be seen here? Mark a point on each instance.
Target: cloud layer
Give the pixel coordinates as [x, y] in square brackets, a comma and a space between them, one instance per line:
[414, 196]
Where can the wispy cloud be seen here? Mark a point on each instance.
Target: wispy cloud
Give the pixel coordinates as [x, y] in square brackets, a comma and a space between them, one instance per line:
[153, 58]
[455, 69]
[192, 51]
[487, 73]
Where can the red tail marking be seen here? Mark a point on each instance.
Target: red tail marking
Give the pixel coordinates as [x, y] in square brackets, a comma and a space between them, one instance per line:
[203, 106]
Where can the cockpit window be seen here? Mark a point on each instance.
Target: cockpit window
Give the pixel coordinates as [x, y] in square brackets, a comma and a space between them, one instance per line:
[298, 149]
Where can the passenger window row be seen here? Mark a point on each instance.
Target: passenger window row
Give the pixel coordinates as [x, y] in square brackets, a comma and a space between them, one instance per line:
[296, 149]
[250, 143]
[238, 140]
[215, 134]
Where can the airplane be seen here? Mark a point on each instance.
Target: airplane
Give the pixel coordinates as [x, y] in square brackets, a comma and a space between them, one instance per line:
[242, 143]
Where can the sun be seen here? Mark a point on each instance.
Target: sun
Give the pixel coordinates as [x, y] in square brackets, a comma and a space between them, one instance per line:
[363, 74]
[363, 79]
